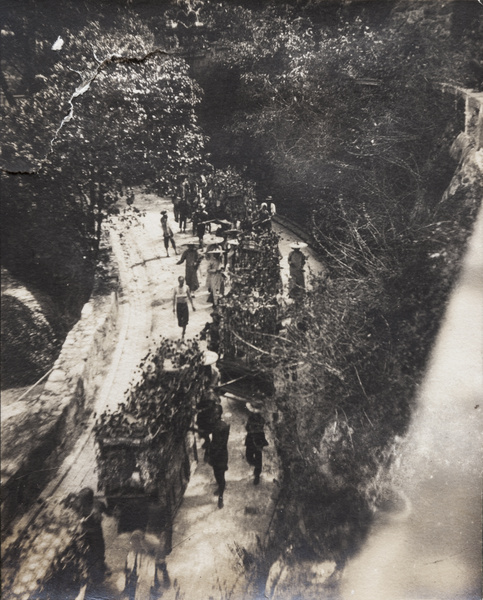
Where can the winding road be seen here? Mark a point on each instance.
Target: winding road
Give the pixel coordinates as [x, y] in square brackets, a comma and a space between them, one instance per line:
[209, 544]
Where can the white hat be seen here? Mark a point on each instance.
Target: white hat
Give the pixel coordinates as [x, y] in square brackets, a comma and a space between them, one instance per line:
[213, 239]
[255, 406]
[298, 245]
[209, 358]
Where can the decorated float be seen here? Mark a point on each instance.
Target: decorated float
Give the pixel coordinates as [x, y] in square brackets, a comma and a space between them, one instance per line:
[143, 447]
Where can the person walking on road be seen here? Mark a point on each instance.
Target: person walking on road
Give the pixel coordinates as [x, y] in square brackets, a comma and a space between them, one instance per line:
[90, 510]
[214, 278]
[145, 562]
[219, 451]
[206, 413]
[168, 235]
[202, 218]
[255, 439]
[183, 210]
[181, 296]
[296, 261]
[176, 201]
[192, 259]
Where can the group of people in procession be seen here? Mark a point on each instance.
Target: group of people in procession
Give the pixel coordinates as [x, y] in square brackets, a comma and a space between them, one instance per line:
[214, 431]
[220, 250]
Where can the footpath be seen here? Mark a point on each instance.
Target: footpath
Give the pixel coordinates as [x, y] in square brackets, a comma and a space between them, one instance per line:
[209, 545]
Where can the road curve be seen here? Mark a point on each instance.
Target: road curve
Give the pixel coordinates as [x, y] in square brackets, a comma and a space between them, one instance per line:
[206, 559]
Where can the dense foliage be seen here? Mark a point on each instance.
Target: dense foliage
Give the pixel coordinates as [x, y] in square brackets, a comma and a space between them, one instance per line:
[110, 93]
[25, 362]
[157, 413]
[249, 311]
[305, 105]
[228, 194]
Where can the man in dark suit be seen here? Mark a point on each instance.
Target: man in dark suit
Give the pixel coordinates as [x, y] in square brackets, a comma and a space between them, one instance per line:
[219, 451]
[255, 439]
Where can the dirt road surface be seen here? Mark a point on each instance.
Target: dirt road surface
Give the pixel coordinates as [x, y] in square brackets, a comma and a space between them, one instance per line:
[208, 543]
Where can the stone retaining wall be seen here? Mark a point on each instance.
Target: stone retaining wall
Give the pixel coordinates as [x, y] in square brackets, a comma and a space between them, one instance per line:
[473, 113]
[53, 426]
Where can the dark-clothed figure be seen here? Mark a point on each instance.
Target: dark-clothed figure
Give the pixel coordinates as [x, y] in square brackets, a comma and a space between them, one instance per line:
[181, 295]
[255, 439]
[185, 189]
[168, 235]
[196, 210]
[91, 510]
[214, 333]
[296, 261]
[130, 198]
[183, 212]
[192, 259]
[247, 222]
[231, 255]
[202, 217]
[205, 419]
[211, 333]
[219, 452]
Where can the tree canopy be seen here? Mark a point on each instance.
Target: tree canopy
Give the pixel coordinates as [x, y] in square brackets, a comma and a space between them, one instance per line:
[112, 111]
